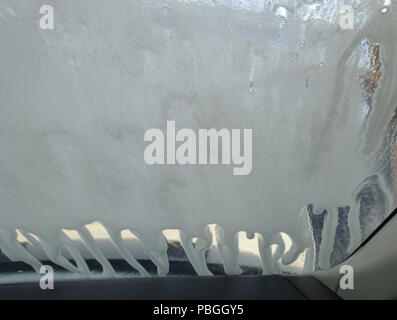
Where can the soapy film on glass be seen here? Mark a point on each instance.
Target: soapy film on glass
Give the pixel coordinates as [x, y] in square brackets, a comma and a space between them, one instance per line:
[77, 100]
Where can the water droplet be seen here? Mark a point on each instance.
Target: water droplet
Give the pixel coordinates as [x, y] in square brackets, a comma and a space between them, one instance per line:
[251, 87]
[384, 10]
[306, 90]
[283, 22]
[321, 65]
[282, 13]
[68, 38]
[293, 57]
[302, 43]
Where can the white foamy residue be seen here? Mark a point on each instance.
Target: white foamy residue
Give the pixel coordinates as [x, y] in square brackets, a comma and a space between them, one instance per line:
[76, 102]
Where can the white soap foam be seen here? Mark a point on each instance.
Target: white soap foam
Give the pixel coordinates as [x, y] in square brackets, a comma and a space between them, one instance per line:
[76, 102]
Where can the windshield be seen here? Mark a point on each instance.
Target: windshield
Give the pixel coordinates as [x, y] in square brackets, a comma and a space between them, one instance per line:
[238, 136]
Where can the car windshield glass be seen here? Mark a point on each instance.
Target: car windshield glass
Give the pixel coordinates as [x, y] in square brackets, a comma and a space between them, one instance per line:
[194, 137]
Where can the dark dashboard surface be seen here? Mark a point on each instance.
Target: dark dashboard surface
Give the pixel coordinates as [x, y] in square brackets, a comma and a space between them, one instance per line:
[273, 287]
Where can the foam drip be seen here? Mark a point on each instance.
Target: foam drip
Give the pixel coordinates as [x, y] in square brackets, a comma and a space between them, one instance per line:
[328, 236]
[89, 241]
[196, 253]
[54, 253]
[270, 260]
[125, 253]
[14, 250]
[157, 252]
